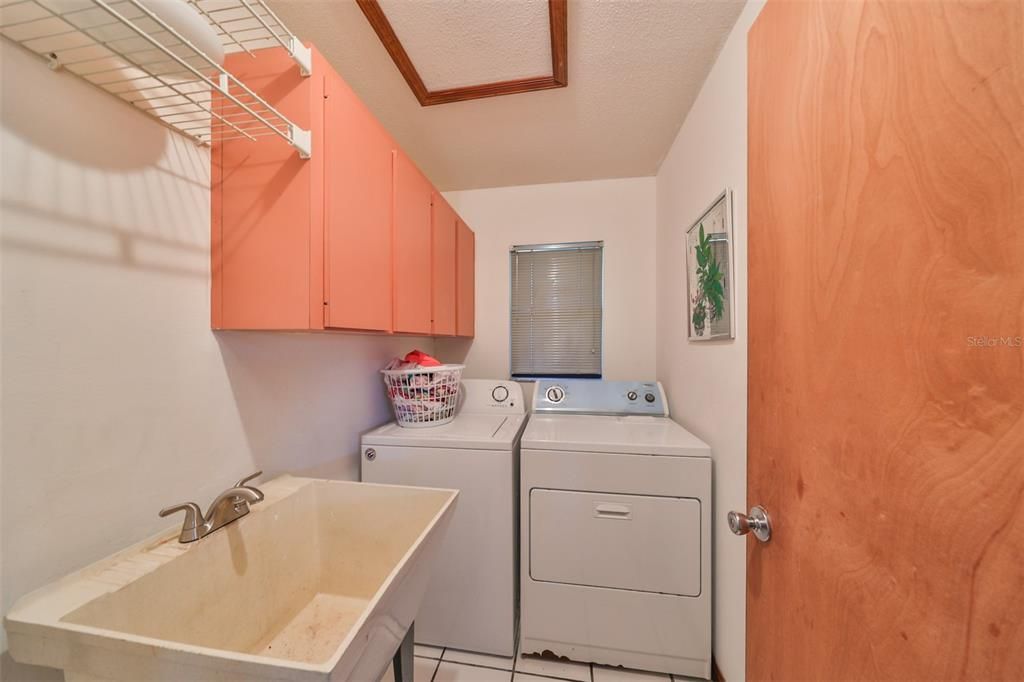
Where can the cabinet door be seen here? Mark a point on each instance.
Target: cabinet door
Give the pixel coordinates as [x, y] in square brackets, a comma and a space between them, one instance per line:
[263, 224]
[444, 240]
[412, 263]
[465, 250]
[357, 213]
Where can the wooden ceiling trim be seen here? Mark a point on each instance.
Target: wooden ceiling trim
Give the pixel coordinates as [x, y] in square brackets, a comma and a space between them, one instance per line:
[559, 28]
[558, 18]
[493, 89]
[375, 15]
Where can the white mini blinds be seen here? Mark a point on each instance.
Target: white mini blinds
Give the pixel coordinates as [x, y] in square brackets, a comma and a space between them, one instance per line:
[556, 310]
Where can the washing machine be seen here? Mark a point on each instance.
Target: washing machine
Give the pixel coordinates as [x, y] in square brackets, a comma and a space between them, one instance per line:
[471, 601]
[615, 502]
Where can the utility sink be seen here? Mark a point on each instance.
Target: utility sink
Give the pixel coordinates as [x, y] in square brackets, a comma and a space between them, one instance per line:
[321, 581]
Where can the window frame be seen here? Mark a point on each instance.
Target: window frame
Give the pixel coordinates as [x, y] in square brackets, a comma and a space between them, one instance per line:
[597, 245]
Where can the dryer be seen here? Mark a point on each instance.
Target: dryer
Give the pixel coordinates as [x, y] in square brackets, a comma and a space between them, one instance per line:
[471, 600]
[615, 529]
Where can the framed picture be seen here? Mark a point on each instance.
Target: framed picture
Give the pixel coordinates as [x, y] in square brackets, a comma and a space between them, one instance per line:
[709, 283]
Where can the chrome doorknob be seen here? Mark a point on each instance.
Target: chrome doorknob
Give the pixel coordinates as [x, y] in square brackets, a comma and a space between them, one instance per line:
[757, 523]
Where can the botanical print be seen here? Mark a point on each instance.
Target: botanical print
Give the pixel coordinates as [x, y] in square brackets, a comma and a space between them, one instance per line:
[709, 273]
[709, 301]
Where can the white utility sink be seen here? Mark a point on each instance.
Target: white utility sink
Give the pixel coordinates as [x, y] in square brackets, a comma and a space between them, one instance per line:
[321, 581]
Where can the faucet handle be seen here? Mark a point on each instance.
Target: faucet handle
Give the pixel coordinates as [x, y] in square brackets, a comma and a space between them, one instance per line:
[193, 519]
[241, 483]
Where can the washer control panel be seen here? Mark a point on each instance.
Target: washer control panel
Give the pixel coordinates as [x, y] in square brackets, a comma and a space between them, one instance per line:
[485, 395]
[594, 396]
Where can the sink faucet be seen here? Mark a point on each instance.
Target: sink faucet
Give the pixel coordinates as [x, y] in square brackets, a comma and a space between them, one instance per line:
[230, 505]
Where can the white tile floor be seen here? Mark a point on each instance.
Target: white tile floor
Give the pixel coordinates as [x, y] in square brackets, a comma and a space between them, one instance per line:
[434, 664]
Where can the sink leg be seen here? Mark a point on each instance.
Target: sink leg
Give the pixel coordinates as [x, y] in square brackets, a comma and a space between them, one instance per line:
[403, 658]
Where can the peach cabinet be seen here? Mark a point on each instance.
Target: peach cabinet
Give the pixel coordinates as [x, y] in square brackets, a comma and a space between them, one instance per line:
[358, 196]
[412, 249]
[444, 227]
[267, 207]
[465, 285]
[354, 238]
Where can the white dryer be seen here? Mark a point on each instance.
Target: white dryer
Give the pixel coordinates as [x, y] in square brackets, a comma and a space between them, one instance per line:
[616, 530]
[471, 600]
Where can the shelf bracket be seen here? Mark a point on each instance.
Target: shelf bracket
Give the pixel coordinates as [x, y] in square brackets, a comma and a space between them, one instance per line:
[302, 140]
[302, 55]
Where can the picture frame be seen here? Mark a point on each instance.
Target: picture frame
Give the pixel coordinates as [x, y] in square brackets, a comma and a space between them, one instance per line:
[710, 295]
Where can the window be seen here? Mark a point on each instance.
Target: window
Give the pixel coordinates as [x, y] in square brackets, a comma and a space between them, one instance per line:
[556, 310]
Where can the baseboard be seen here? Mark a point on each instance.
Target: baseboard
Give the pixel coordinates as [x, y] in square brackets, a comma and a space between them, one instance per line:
[716, 674]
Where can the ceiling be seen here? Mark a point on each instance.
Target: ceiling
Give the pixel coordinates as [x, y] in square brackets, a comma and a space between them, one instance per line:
[635, 68]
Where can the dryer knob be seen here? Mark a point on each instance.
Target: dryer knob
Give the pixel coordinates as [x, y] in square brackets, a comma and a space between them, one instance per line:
[371, 454]
[555, 394]
[500, 394]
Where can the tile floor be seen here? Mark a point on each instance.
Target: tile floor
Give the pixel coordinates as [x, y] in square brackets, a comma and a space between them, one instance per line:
[434, 664]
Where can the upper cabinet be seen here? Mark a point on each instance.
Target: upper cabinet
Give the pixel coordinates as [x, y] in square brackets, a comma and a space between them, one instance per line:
[444, 263]
[355, 237]
[267, 208]
[412, 235]
[358, 198]
[465, 287]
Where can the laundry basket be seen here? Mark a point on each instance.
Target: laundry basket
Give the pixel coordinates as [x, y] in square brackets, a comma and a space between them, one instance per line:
[425, 396]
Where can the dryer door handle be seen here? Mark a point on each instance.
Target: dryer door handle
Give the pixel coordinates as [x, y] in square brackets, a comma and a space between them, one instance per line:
[613, 510]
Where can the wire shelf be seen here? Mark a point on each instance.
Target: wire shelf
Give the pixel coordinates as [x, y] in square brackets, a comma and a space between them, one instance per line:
[125, 49]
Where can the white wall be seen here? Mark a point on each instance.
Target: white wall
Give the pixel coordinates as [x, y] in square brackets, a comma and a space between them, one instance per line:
[117, 398]
[707, 382]
[620, 212]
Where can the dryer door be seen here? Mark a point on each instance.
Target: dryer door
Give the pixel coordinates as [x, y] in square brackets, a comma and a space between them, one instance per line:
[629, 542]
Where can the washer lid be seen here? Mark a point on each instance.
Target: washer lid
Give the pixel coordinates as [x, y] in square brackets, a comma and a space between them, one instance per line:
[466, 431]
[635, 435]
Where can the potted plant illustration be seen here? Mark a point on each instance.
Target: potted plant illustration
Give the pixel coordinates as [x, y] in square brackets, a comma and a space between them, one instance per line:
[709, 301]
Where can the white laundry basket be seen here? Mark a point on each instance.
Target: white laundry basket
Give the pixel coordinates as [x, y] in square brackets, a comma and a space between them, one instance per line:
[425, 396]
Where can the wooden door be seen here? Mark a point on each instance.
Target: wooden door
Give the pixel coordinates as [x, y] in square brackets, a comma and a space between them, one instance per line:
[412, 245]
[444, 274]
[357, 216]
[886, 313]
[465, 286]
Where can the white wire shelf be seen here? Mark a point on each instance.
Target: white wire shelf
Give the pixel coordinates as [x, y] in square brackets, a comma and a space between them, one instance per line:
[127, 50]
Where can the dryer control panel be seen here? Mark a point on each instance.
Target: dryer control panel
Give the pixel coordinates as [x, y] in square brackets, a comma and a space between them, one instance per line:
[594, 396]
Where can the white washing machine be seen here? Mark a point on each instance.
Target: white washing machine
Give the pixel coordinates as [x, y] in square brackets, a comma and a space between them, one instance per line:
[471, 600]
[616, 530]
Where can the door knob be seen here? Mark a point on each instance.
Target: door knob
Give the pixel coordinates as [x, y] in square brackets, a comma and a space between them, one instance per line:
[758, 523]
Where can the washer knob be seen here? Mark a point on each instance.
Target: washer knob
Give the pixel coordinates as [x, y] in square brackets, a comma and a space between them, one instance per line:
[649, 397]
[500, 394]
[555, 394]
[631, 395]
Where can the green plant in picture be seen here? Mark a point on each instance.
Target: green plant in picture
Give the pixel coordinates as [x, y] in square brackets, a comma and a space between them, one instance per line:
[709, 301]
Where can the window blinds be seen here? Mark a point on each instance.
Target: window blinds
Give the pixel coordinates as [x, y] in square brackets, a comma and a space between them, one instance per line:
[556, 310]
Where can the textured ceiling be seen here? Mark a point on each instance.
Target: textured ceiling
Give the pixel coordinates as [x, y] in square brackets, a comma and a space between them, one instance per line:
[635, 68]
[457, 43]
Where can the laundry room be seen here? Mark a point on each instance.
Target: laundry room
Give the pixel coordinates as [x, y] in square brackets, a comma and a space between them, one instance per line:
[511, 340]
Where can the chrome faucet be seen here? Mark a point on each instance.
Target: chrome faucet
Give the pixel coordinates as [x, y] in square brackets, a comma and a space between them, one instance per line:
[230, 505]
